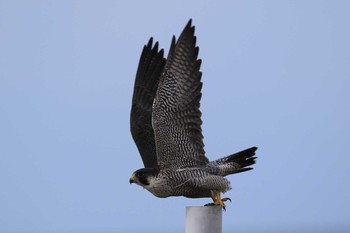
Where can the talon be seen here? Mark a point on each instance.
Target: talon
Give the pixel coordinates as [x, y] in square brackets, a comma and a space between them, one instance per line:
[217, 199]
[221, 203]
[209, 204]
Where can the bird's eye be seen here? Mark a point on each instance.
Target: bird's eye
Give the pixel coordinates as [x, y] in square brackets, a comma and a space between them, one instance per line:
[139, 174]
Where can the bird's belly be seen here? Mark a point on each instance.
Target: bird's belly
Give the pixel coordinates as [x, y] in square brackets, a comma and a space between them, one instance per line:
[164, 189]
[188, 182]
[164, 192]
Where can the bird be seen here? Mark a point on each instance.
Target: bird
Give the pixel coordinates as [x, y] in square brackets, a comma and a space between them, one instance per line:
[165, 123]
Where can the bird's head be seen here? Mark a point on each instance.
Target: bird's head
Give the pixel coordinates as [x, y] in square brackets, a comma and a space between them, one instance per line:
[143, 176]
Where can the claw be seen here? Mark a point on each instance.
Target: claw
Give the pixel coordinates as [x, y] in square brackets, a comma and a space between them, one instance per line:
[209, 204]
[217, 200]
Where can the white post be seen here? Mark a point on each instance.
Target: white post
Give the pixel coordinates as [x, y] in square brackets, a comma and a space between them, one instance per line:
[203, 219]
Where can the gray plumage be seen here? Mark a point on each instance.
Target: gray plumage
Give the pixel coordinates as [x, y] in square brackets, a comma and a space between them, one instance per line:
[166, 126]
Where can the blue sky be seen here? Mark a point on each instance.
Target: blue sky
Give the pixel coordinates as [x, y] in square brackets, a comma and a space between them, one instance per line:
[276, 75]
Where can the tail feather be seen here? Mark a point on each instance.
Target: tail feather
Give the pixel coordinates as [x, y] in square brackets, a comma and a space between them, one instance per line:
[244, 158]
[235, 163]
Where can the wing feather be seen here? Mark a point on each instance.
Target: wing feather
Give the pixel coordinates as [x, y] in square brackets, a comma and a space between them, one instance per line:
[148, 73]
[176, 116]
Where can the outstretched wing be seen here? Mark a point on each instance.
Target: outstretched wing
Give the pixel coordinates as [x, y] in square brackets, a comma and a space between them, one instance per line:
[176, 116]
[146, 83]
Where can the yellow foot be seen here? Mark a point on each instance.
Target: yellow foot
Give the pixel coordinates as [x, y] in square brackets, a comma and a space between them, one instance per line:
[218, 200]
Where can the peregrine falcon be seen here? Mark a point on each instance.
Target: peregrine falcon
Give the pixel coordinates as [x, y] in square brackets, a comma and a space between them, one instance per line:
[166, 124]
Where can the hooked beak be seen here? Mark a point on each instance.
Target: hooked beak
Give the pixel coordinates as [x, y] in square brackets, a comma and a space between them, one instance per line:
[132, 179]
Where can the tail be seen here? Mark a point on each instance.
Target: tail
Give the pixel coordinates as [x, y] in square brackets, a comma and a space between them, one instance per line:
[235, 163]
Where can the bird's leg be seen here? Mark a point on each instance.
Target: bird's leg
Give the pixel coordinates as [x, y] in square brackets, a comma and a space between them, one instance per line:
[218, 200]
[216, 196]
[212, 195]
